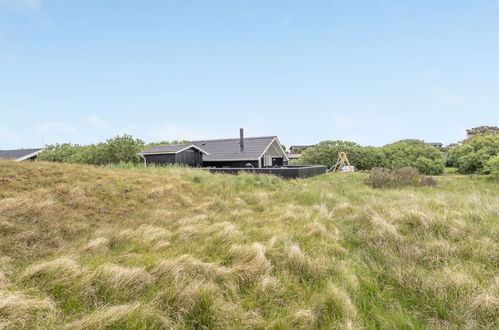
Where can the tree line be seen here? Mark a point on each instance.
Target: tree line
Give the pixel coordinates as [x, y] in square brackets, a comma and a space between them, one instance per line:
[478, 153]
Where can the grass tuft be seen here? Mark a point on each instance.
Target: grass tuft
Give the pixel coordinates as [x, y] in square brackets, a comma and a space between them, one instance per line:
[128, 316]
[115, 280]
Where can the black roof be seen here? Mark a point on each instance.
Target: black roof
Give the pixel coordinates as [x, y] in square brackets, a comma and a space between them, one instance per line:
[302, 147]
[171, 149]
[229, 149]
[18, 154]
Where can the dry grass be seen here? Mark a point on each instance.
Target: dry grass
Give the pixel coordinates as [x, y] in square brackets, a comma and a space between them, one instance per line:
[99, 248]
[52, 273]
[117, 280]
[98, 244]
[18, 310]
[132, 316]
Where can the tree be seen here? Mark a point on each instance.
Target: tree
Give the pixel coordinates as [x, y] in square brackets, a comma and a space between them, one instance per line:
[120, 149]
[326, 153]
[473, 155]
[482, 130]
[414, 153]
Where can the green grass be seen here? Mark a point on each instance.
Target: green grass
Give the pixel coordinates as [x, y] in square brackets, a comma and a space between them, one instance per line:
[93, 248]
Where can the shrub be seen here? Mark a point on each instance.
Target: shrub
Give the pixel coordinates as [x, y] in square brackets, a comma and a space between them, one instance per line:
[399, 177]
[326, 153]
[474, 154]
[492, 167]
[415, 153]
[59, 152]
[120, 149]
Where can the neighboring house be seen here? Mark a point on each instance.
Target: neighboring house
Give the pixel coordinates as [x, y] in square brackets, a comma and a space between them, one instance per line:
[184, 154]
[435, 144]
[20, 154]
[236, 153]
[294, 156]
[298, 149]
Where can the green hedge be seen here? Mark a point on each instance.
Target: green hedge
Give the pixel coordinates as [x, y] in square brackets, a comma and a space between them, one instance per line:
[475, 153]
[415, 153]
[121, 149]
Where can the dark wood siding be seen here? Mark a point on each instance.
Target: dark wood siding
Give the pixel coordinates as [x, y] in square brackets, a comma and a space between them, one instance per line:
[228, 163]
[189, 157]
[160, 159]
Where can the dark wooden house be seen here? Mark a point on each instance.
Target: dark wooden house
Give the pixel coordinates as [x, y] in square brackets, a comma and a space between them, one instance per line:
[256, 152]
[181, 154]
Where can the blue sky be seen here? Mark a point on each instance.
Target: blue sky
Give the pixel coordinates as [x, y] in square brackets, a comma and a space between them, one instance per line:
[367, 71]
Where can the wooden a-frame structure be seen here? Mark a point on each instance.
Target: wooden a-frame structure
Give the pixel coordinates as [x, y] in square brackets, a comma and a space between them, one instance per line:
[340, 163]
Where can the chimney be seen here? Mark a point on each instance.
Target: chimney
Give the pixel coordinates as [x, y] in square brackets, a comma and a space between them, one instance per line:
[241, 139]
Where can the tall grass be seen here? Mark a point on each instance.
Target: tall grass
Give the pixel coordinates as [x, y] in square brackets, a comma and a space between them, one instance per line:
[92, 248]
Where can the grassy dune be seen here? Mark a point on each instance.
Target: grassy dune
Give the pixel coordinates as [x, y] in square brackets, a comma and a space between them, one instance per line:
[91, 248]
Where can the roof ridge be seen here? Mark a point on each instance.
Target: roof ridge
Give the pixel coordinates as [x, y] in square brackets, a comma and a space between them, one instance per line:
[226, 139]
[22, 149]
[167, 145]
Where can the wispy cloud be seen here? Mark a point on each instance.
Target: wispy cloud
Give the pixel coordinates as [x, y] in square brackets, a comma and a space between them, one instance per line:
[97, 122]
[29, 4]
[57, 127]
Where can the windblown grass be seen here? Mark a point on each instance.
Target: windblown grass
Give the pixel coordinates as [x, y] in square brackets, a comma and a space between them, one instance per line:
[94, 248]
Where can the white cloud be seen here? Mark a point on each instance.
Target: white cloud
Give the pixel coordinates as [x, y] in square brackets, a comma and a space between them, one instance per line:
[57, 127]
[29, 4]
[97, 122]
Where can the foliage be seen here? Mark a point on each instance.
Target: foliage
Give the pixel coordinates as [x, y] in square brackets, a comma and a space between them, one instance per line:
[163, 143]
[326, 153]
[473, 155]
[120, 149]
[482, 130]
[156, 248]
[416, 153]
[400, 177]
[492, 167]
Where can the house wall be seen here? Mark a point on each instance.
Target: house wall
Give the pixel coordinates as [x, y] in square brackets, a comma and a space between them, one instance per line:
[190, 157]
[228, 163]
[160, 160]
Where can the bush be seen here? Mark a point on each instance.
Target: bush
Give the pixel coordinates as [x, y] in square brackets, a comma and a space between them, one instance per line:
[399, 177]
[415, 153]
[58, 152]
[492, 167]
[120, 149]
[326, 153]
[474, 154]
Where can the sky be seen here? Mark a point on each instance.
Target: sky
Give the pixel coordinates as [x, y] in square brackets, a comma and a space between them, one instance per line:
[372, 72]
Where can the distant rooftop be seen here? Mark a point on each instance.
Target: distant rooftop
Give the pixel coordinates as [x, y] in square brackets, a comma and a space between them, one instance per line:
[19, 154]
